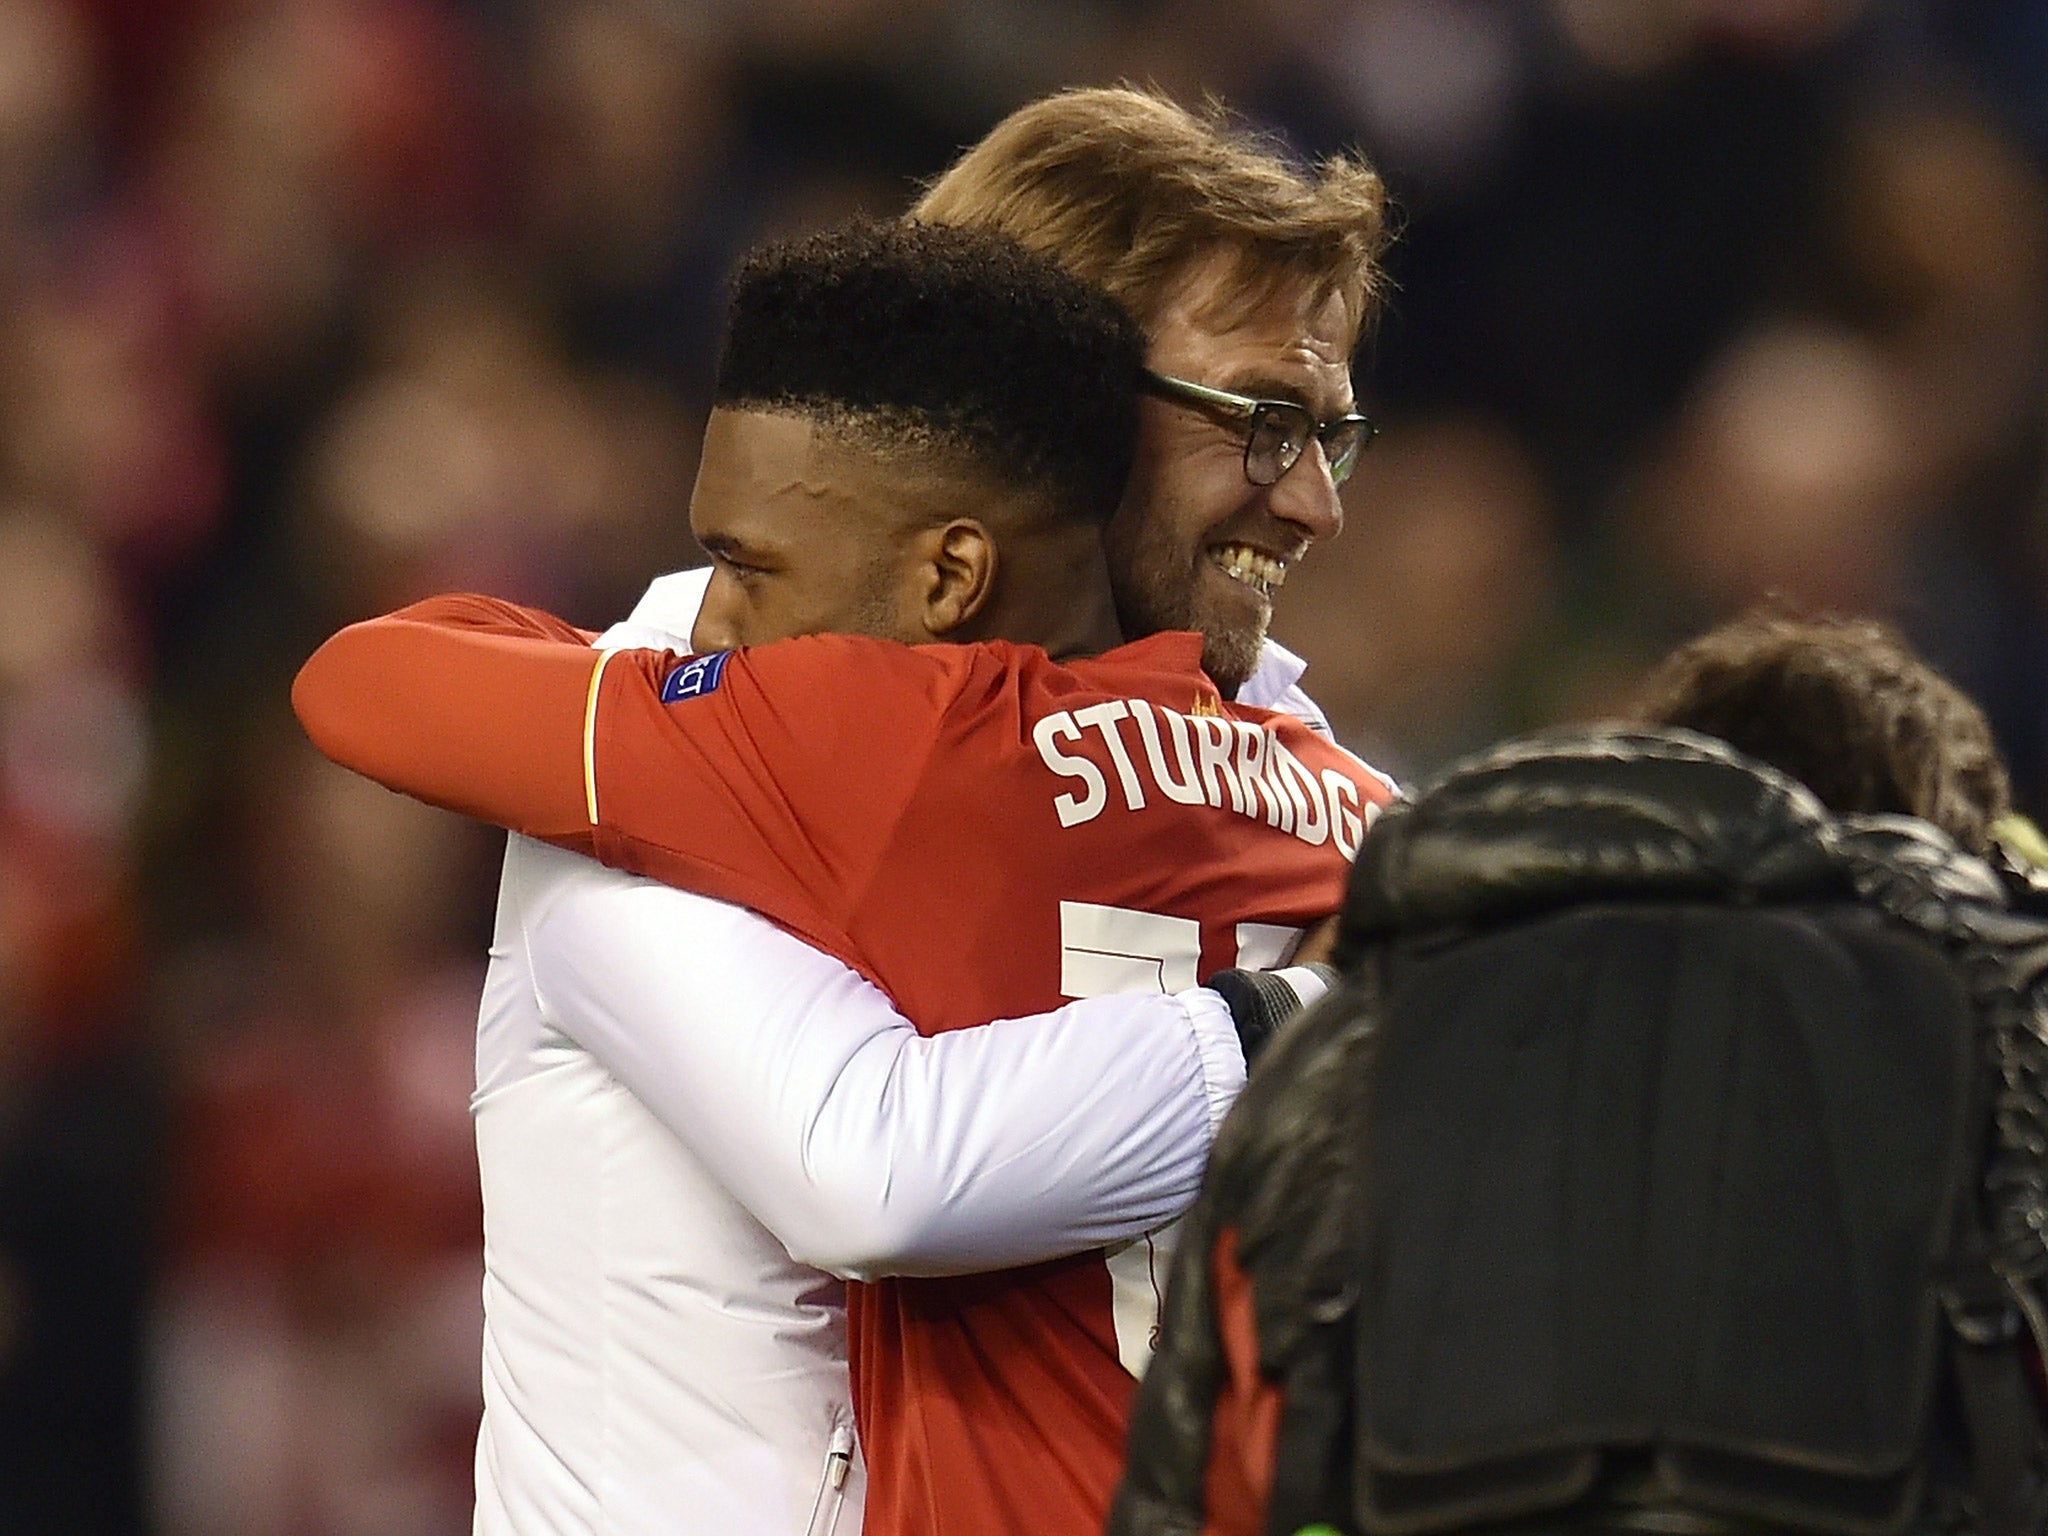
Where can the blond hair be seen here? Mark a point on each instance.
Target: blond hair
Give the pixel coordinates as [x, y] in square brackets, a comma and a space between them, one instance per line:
[1129, 190]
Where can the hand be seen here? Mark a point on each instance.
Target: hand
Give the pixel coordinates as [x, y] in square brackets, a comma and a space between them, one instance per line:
[1261, 1001]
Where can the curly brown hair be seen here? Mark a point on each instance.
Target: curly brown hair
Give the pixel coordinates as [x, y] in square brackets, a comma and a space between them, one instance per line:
[1129, 190]
[1846, 707]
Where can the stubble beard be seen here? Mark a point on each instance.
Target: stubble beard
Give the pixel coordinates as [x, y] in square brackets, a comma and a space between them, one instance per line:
[1163, 591]
[1232, 656]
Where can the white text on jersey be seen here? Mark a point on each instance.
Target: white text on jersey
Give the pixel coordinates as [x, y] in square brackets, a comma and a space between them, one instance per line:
[1199, 760]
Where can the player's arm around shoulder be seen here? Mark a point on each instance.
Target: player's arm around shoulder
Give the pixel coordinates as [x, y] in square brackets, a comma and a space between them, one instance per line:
[465, 702]
[734, 772]
[840, 1126]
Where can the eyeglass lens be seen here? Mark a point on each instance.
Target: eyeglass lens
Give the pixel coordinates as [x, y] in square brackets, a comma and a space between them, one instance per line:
[1280, 434]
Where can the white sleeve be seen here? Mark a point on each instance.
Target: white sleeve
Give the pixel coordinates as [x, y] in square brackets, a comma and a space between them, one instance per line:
[865, 1147]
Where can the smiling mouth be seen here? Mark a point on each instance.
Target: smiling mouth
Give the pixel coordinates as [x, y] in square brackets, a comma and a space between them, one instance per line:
[1254, 568]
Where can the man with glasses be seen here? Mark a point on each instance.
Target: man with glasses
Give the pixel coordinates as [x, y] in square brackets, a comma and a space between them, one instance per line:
[1253, 280]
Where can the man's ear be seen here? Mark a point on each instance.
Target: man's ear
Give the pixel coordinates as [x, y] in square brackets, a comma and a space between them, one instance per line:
[959, 560]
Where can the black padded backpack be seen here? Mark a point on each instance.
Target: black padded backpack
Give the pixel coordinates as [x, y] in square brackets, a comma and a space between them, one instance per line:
[1649, 1170]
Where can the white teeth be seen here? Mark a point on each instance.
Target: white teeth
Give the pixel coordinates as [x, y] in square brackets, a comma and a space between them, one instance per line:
[1252, 567]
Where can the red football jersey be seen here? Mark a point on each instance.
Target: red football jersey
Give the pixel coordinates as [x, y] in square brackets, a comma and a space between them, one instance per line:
[985, 833]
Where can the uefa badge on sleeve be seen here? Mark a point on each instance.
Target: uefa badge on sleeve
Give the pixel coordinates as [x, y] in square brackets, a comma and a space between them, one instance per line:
[694, 678]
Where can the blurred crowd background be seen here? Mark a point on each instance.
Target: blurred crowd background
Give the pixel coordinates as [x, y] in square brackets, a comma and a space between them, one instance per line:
[309, 307]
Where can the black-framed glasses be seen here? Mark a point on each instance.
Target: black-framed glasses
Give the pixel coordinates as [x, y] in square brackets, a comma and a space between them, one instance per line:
[1276, 431]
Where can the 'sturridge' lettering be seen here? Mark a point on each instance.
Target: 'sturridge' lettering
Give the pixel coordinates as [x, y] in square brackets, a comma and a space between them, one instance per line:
[1227, 764]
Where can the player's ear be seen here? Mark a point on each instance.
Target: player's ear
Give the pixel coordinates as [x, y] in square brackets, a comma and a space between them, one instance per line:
[959, 574]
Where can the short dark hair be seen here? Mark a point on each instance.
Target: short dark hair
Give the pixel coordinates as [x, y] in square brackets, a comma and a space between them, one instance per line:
[1846, 707]
[942, 342]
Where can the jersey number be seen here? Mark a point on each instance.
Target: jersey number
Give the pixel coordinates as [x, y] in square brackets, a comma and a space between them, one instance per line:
[1114, 949]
